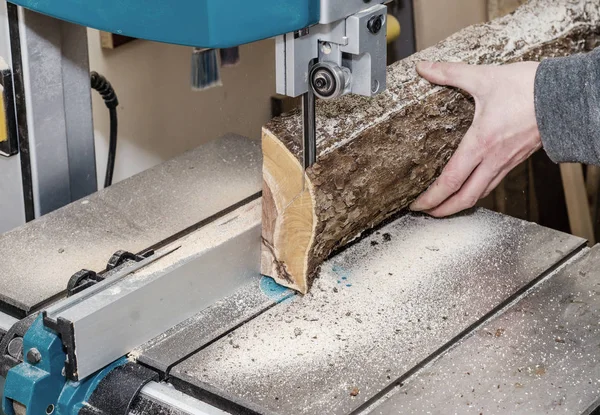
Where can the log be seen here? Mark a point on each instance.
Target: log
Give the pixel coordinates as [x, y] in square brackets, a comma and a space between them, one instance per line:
[376, 155]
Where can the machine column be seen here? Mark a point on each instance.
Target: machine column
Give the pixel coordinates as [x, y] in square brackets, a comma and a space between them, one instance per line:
[54, 109]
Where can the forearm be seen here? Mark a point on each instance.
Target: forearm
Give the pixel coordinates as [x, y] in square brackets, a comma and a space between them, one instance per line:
[567, 104]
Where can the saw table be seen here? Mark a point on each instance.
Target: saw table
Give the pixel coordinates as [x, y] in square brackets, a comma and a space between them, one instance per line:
[479, 313]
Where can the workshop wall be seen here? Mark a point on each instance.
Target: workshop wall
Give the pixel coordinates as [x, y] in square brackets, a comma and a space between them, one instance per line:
[160, 116]
[436, 20]
[499, 8]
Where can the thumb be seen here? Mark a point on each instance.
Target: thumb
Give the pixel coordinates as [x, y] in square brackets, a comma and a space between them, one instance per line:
[459, 75]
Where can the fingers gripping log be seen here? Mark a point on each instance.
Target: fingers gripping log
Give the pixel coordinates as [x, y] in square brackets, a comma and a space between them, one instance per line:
[375, 156]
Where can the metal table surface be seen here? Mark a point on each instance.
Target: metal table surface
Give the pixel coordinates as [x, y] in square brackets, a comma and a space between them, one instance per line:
[175, 345]
[538, 356]
[380, 310]
[39, 258]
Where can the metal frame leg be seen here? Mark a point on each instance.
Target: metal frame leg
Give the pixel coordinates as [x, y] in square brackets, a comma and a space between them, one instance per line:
[59, 134]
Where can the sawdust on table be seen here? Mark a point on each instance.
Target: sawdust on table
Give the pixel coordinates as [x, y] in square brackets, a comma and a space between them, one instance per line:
[370, 309]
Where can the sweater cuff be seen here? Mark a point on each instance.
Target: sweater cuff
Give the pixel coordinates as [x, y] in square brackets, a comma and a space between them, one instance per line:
[562, 109]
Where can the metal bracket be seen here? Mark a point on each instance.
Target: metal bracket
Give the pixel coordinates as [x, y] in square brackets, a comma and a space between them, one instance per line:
[353, 43]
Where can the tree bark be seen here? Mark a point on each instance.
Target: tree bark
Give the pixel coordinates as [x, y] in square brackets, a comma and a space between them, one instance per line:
[375, 156]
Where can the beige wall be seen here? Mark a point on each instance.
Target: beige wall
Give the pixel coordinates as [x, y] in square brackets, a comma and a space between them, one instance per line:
[499, 8]
[437, 19]
[160, 117]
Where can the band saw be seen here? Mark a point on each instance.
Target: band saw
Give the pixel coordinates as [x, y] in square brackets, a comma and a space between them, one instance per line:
[146, 297]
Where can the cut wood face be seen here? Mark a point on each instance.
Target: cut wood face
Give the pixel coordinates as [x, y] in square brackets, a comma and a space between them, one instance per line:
[375, 156]
[288, 216]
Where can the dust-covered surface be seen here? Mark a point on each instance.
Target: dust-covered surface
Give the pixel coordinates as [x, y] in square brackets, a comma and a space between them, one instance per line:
[39, 258]
[251, 299]
[375, 156]
[378, 309]
[540, 356]
[229, 227]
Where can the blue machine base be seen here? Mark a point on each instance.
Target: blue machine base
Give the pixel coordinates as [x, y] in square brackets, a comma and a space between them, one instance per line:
[201, 23]
[42, 387]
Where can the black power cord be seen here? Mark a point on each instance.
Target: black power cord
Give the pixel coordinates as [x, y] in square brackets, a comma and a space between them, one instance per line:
[100, 84]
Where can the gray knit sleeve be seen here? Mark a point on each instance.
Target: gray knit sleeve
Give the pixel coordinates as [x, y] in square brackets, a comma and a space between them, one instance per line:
[567, 105]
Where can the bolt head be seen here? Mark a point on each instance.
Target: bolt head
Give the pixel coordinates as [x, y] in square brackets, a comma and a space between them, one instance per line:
[375, 86]
[375, 24]
[34, 356]
[326, 48]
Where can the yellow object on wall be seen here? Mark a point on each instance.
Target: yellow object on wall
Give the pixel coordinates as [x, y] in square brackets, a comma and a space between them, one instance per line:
[393, 28]
[3, 130]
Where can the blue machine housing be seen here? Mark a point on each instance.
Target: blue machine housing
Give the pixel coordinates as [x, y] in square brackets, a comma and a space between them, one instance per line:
[42, 387]
[200, 23]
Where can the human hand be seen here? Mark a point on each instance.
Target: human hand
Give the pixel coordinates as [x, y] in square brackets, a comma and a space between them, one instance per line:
[503, 134]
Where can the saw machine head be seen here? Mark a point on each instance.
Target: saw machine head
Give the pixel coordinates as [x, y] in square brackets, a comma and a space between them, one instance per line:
[326, 48]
